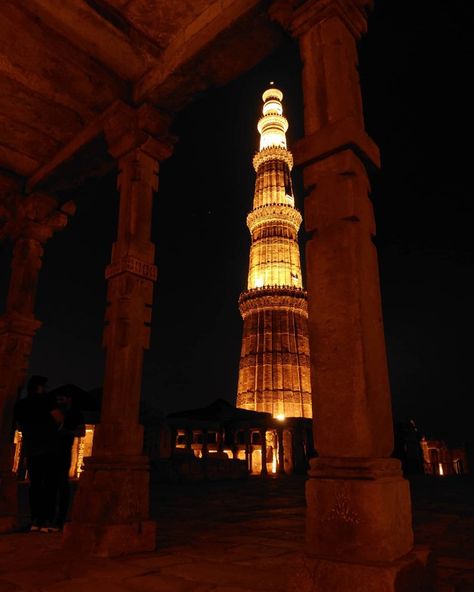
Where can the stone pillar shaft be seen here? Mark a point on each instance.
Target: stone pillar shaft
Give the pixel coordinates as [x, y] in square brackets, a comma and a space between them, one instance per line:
[111, 508]
[188, 439]
[130, 278]
[358, 504]
[263, 438]
[346, 337]
[17, 327]
[30, 222]
[281, 452]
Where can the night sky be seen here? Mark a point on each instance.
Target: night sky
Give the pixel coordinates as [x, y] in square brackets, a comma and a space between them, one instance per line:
[416, 67]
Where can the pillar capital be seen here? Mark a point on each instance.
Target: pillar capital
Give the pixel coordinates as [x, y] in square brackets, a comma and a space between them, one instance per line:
[353, 13]
[33, 217]
[336, 137]
[9, 187]
[144, 128]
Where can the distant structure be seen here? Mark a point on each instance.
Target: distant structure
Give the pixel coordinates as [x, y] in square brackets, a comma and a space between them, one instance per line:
[274, 374]
[441, 458]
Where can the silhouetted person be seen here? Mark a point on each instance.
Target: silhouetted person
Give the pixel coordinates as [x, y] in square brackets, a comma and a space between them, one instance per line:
[73, 426]
[39, 420]
[408, 448]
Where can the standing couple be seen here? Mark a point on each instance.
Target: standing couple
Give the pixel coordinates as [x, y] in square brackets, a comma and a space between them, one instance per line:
[49, 425]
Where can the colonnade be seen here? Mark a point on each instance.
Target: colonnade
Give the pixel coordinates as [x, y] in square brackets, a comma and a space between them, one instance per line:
[240, 443]
[359, 533]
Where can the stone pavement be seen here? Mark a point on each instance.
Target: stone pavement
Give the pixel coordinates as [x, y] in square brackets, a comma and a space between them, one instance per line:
[233, 537]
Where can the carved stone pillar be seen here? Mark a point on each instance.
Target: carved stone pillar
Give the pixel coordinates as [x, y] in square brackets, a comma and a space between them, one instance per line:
[220, 444]
[111, 510]
[281, 452]
[188, 440]
[30, 222]
[263, 438]
[204, 448]
[173, 441]
[220, 441]
[359, 533]
[248, 450]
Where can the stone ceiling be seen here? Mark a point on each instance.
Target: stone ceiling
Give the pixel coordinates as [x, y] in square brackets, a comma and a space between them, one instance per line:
[64, 62]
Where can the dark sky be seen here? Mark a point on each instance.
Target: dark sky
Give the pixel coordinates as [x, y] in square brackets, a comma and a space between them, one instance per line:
[416, 69]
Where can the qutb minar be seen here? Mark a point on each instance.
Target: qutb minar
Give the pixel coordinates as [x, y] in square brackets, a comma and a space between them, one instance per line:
[274, 373]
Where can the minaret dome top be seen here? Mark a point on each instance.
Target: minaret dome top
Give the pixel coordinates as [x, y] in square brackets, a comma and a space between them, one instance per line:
[272, 126]
[272, 93]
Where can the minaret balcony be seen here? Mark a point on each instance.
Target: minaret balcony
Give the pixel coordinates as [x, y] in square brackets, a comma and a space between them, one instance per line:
[274, 298]
[272, 153]
[274, 213]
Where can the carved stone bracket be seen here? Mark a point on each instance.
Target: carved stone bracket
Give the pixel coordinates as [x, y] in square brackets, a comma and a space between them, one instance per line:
[146, 128]
[35, 216]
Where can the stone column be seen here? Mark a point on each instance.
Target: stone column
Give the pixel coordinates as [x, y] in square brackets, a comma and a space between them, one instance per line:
[30, 222]
[188, 439]
[204, 448]
[220, 441]
[235, 446]
[263, 438]
[248, 450]
[358, 526]
[281, 452]
[220, 444]
[173, 438]
[111, 509]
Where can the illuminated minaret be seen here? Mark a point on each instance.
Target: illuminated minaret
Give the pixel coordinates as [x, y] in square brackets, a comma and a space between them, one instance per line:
[274, 362]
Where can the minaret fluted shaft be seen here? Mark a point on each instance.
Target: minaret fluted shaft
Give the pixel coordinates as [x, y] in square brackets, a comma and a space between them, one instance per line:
[274, 365]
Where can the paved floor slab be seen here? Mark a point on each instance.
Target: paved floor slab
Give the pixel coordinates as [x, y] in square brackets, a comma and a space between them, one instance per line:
[233, 537]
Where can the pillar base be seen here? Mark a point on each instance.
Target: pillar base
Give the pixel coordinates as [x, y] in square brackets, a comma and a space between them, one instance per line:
[358, 510]
[9, 519]
[110, 540]
[410, 573]
[110, 514]
[8, 524]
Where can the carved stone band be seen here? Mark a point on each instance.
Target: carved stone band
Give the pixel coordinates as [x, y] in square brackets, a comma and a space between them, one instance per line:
[274, 213]
[273, 153]
[132, 265]
[286, 298]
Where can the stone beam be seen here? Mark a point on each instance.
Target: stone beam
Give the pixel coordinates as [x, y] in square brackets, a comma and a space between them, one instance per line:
[16, 162]
[39, 59]
[10, 186]
[19, 104]
[167, 76]
[69, 150]
[27, 140]
[67, 153]
[87, 29]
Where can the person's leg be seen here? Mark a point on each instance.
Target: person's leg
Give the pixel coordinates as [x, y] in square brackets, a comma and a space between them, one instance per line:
[63, 495]
[35, 491]
[63, 487]
[50, 489]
